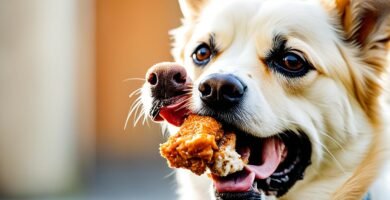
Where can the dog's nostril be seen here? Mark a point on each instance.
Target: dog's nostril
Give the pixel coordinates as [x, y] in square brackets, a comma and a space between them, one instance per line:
[205, 89]
[152, 79]
[179, 78]
[232, 91]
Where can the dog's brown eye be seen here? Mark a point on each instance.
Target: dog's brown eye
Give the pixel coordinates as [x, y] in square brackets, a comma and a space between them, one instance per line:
[202, 55]
[289, 64]
[293, 62]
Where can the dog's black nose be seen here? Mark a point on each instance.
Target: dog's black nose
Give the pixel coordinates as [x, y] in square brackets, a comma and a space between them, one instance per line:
[221, 90]
[167, 80]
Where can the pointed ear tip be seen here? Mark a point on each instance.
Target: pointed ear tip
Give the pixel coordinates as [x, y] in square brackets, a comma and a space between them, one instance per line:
[191, 8]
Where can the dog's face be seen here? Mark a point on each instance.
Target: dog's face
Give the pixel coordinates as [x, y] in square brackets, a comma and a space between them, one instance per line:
[277, 69]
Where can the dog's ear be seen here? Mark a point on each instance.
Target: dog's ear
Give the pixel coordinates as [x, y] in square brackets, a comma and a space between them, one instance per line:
[366, 25]
[191, 8]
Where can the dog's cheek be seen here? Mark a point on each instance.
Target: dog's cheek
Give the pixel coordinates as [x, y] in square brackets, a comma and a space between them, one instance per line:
[263, 121]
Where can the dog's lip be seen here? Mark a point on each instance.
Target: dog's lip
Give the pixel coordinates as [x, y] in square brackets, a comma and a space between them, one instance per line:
[175, 111]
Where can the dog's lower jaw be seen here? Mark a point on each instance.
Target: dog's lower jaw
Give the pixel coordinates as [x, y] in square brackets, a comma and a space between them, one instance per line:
[193, 187]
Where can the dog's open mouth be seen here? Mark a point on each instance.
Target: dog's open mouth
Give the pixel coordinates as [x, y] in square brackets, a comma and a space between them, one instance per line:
[275, 164]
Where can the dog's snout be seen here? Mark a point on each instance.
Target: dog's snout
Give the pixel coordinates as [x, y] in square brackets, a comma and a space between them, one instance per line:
[167, 80]
[221, 90]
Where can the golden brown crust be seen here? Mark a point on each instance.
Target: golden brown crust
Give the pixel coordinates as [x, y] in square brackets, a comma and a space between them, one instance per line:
[194, 145]
[201, 144]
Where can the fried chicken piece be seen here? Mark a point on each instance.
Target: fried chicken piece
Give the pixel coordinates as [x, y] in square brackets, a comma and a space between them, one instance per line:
[201, 143]
[194, 145]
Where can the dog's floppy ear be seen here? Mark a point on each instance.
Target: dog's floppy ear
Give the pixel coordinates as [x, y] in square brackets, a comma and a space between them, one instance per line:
[191, 8]
[366, 25]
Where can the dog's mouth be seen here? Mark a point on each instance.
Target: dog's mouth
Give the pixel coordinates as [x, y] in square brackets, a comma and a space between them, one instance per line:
[275, 165]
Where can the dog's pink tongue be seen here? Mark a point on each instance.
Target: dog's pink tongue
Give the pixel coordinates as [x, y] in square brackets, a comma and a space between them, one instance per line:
[271, 157]
[239, 182]
[174, 114]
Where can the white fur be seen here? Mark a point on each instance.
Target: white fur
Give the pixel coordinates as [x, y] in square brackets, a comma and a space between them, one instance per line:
[321, 103]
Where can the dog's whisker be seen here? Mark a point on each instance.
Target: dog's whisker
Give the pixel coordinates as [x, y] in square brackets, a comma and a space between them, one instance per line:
[137, 114]
[126, 122]
[333, 139]
[140, 115]
[169, 175]
[147, 122]
[164, 129]
[332, 156]
[134, 79]
[321, 132]
[145, 117]
[135, 92]
[185, 105]
[132, 107]
[324, 147]
[135, 105]
[190, 105]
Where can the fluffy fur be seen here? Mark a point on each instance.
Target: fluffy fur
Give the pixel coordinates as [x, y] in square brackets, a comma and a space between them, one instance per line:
[339, 104]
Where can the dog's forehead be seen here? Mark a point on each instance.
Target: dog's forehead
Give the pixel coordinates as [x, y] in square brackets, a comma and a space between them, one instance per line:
[266, 18]
[248, 28]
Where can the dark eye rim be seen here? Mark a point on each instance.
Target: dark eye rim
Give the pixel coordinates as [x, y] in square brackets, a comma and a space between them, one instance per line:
[203, 62]
[276, 63]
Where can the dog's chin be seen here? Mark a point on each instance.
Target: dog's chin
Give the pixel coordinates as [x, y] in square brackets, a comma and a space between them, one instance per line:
[296, 158]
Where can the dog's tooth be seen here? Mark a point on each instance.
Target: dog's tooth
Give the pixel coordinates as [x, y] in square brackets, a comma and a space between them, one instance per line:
[285, 179]
[268, 180]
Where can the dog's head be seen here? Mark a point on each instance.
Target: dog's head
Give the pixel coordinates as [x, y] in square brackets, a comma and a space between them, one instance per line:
[305, 72]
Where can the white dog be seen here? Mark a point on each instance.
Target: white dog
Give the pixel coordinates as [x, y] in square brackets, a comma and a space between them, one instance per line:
[307, 72]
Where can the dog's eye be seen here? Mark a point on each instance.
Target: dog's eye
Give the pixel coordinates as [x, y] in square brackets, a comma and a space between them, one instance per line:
[202, 55]
[291, 64]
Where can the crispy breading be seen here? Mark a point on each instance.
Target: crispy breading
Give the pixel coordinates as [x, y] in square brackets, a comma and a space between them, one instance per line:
[201, 143]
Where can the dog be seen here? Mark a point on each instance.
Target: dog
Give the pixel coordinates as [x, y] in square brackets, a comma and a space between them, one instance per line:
[309, 72]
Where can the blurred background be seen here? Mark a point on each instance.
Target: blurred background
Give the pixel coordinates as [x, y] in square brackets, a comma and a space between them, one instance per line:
[64, 99]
